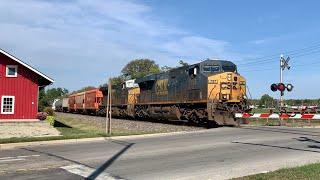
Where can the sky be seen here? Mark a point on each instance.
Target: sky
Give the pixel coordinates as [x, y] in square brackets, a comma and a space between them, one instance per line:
[84, 42]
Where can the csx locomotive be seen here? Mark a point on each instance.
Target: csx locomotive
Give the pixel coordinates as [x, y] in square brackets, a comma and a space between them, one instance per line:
[210, 91]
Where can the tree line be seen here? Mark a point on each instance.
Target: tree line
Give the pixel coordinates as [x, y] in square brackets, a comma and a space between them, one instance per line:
[139, 68]
[269, 102]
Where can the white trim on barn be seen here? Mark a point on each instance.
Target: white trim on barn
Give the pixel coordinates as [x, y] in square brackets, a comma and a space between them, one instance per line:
[12, 66]
[26, 65]
[12, 104]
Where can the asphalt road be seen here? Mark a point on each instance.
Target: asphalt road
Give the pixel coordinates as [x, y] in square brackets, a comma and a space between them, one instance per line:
[220, 153]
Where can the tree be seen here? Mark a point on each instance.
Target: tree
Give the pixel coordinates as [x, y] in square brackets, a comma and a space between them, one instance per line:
[266, 101]
[139, 68]
[43, 102]
[166, 68]
[297, 102]
[116, 81]
[182, 63]
[87, 88]
[46, 97]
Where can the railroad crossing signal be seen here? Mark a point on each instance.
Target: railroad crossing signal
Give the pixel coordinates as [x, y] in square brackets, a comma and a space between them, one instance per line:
[285, 63]
[281, 87]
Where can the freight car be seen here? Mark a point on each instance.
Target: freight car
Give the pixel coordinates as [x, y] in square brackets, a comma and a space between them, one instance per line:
[57, 105]
[88, 102]
[65, 104]
[61, 105]
[211, 91]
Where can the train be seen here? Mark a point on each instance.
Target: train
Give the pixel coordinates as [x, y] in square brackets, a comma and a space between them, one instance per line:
[211, 91]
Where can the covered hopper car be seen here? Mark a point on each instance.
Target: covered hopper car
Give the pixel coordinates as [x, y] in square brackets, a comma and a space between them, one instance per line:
[87, 102]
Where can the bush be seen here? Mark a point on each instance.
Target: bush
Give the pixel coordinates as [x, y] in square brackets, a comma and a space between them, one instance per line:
[42, 116]
[50, 120]
[49, 111]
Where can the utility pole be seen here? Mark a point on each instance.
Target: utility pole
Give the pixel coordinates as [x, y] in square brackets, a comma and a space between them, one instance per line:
[108, 113]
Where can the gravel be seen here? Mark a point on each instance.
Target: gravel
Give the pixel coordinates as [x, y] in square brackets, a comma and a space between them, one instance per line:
[129, 126]
[26, 129]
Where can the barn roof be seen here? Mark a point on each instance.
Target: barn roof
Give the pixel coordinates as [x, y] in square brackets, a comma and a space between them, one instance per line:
[27, 66]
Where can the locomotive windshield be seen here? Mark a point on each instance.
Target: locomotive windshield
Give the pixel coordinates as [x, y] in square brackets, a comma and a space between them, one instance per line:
[229, 68]
[211, 68]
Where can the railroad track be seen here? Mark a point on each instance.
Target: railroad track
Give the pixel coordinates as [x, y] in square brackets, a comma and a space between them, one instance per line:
[130, 125]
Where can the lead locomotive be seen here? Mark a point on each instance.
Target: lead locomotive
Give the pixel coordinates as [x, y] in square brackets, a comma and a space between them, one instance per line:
[210, 91]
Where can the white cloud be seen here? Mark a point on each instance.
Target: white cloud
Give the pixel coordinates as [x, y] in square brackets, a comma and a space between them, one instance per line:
[82, 42]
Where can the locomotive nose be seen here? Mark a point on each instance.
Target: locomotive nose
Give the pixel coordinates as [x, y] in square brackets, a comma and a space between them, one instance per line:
[226, 87]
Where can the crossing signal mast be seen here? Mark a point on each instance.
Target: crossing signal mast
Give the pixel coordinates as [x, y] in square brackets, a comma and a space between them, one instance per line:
[284, 64]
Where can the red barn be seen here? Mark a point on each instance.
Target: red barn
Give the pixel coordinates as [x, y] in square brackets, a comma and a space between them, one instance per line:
[19, 88]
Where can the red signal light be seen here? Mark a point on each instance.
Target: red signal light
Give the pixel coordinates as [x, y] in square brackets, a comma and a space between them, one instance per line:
[281, 87]
[274, 87]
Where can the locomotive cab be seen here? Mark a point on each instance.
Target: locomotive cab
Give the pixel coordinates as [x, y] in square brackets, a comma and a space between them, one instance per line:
[226, 91]
[224, 84]
[211, 67]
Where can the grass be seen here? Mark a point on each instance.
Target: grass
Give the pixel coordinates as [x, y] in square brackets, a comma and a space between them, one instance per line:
[260, 110]
[311, 171]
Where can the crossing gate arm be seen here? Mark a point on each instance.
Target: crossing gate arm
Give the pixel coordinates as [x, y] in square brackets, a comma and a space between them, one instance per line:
[277, 116]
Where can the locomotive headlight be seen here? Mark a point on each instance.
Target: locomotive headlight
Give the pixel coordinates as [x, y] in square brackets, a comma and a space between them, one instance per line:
[224, 86]
[224, 96]
[245, 97]
[242, 83]
[229, 77]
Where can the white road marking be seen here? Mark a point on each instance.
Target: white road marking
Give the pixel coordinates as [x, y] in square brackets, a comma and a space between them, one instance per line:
[22, 156]
[36, 155]
[9, 160]
[85, 172]
[17, 158]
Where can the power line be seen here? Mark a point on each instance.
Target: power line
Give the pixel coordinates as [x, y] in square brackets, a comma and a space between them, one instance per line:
[294, 56]
[297, 54]
[269, 58]
[294, 68]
